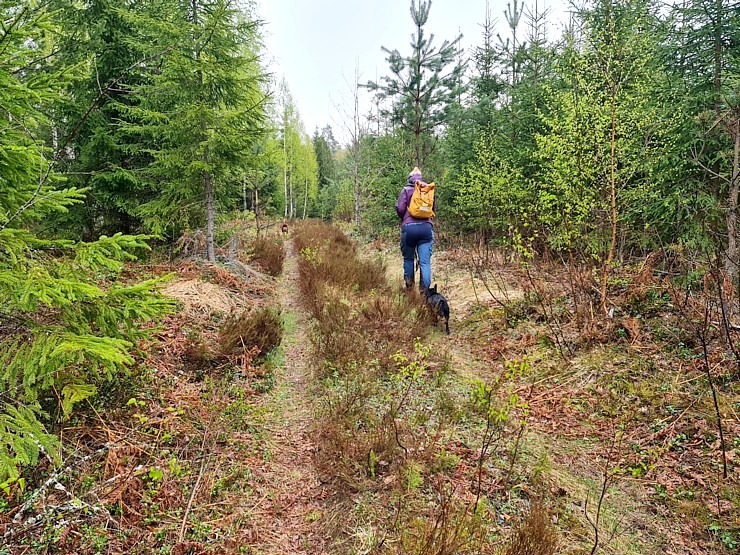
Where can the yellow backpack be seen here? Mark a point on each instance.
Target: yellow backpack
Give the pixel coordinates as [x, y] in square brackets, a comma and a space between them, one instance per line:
[422, 201]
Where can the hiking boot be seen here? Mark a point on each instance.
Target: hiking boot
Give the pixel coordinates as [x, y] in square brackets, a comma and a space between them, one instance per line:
[408, 283]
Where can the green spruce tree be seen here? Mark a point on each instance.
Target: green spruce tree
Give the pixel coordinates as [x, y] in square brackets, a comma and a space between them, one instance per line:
[201, 114]
[100, 38]
[66, 325]
[704, 54]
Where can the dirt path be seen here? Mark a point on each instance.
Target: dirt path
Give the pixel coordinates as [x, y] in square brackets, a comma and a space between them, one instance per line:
[290, 515]
[289, 519]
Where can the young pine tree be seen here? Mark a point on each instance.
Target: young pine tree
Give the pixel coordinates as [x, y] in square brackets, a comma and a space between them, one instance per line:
[423, 86]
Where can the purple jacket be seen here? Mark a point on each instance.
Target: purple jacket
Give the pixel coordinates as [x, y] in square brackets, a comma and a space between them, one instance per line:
[403, 203]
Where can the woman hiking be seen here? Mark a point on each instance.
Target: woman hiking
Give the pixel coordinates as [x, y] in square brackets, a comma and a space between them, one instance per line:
[417, 235]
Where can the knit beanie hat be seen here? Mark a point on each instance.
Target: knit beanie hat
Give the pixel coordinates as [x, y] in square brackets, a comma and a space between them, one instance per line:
[415, 174]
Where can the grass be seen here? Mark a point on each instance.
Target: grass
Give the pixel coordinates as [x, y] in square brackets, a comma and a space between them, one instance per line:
[534, 534]
[241, 334]
[414, 455]
[192, 426]
[637, 377]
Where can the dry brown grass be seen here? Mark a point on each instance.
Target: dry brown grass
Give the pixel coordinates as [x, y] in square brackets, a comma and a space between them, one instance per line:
[449, 526]
[203, 297]
[359, 317]
[534, 535]
[269, 254]
[396, 318]
[360, 322]
[326, 263]
[313, 232]
[240, 333]
[332, 270]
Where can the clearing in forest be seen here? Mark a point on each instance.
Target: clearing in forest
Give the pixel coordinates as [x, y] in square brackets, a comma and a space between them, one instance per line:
[370, 431]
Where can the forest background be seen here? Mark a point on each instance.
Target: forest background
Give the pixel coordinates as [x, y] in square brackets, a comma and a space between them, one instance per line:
[616, 138]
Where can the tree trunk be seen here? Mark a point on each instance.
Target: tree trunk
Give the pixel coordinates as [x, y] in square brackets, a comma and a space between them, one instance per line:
[305, 197]
[613, 214]
[356, 182]
[244, 193]
[285, 169]
[356, 176]
[513, 52]
[209, 217]
[718, 51]
[417, 103]
[256, 202]
[357, 140]
[207, 178]
[257, 210]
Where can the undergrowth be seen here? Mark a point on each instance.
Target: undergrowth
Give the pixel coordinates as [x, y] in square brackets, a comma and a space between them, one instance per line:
[261, 328]
[396, 421]
[636, 407]
[162, 461]
[269, 254]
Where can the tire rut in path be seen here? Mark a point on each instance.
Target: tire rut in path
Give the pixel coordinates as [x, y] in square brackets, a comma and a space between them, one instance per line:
[289, 514]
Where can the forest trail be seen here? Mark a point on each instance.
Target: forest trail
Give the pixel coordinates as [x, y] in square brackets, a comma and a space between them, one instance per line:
[289, 518]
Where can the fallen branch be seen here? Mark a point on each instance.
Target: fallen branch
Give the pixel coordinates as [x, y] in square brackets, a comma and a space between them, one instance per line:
[181, 535]
[53, 480]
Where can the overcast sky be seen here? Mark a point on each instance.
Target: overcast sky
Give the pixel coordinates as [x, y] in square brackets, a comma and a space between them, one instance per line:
[316, 44]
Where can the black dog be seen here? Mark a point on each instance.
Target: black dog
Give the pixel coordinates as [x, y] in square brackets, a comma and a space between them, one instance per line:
[439, 306]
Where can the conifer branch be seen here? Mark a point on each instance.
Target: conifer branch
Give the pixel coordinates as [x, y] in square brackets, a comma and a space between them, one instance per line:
[58, 155]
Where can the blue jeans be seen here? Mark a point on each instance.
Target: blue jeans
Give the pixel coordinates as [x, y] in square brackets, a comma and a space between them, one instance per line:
[417, 239]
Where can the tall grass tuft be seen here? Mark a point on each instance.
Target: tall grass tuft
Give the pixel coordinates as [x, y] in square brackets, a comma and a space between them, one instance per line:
[261, 328]
[534, 535]
[269, 254]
